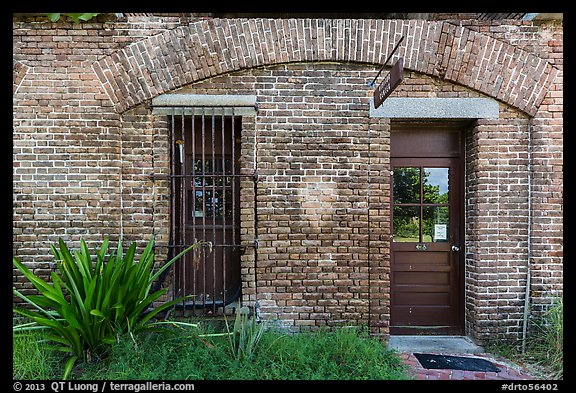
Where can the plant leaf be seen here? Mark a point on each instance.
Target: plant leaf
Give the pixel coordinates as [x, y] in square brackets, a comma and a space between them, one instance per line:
[170, 262]
[97, 313]
[53, 17]
[87, 16]
[68, 366]
[142, 322]
[40, 284]
[20, 311]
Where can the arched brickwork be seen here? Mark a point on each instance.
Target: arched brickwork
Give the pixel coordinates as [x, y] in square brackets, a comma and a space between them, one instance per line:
[186, 54]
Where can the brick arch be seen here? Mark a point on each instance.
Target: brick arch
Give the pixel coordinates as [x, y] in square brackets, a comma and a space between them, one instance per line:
[206, 48]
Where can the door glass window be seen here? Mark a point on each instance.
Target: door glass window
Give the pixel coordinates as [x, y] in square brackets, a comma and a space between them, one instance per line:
[406, 223]
[435, 187]
[435, 223]
[407, 185]
[421, 204]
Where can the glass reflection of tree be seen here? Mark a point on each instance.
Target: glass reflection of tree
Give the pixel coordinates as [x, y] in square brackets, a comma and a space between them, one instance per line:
[407, 185]
[433, 195]
[406, 221]
[407, 201]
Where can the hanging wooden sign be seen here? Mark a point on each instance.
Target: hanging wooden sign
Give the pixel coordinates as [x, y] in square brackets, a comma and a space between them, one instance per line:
[390, 82]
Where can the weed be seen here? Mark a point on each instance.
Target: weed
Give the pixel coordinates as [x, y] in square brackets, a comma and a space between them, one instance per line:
[544, 354]
[245, 334]
[338, 354]
[546, 344]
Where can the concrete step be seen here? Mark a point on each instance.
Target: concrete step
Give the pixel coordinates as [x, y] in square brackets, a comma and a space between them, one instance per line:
[434, 344]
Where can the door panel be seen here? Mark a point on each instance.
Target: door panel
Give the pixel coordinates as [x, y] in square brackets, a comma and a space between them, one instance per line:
[416, 320]
[426, 279]
[425, 276]
[415, 258]
[424, 298]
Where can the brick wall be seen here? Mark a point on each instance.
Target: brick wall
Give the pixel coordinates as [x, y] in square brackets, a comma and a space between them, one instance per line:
[68, 160]
[497, 224]
[85, 142]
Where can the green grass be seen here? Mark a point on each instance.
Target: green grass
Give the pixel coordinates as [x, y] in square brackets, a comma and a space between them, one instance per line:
[544, 354]
[339, 354]
[32, 359]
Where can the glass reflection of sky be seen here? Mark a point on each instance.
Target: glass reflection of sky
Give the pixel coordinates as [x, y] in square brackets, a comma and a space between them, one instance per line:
[437, 177]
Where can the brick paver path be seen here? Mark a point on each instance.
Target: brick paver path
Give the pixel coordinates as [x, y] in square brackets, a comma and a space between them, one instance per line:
[506, 372]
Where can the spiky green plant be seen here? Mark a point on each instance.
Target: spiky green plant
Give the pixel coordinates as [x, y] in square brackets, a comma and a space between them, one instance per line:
[90, 302]
[245, 335]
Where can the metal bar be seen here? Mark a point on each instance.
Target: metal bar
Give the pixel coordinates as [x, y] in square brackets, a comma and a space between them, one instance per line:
[223, 183]
[215, 245]
[203, 205]
[255, 212]
[526, 313]
[228, 226]
[234, 180]
[214, 206]
[386, 62]
[161, 177]
[193, 136]
[173, 189]
[183, 207]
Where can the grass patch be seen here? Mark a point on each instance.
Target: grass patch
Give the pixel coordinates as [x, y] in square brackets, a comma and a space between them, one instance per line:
[338, 354]
[31, 358]
[544, 354]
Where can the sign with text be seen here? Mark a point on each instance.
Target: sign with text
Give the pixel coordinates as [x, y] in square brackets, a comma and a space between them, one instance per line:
[390, 82]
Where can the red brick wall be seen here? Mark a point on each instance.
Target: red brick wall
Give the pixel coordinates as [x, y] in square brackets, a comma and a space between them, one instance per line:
[85, 142]
[497, 224]
[68, 140]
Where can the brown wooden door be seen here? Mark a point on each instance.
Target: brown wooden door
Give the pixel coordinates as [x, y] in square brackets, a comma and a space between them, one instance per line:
[427, 244]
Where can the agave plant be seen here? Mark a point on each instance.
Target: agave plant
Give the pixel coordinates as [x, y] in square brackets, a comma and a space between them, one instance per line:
[245, 335]
[90, 303]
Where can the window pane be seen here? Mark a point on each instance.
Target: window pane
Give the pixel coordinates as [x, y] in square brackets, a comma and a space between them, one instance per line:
[197, 204]
[228, 208]
[209, 201]
[406, 185]
[199, 167]
[406, 224]
[435, 185]
[435, 226]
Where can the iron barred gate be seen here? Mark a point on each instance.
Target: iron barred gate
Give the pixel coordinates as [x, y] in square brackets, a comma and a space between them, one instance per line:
[205, 205]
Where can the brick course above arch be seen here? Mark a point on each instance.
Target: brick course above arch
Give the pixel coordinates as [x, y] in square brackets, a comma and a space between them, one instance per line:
[204, 49]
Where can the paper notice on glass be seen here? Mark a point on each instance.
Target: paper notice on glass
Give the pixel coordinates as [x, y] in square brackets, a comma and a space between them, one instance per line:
[440, 232]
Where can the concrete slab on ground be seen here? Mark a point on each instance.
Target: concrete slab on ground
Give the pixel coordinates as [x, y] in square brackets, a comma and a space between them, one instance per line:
[434, 344]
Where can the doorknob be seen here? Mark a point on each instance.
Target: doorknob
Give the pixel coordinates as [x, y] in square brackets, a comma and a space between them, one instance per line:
[455, 248]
